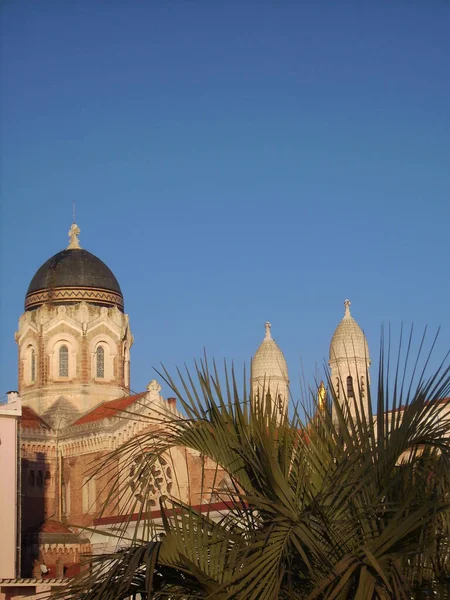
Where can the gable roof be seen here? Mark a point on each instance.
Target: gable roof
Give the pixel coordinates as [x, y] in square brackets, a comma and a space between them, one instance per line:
[109, 409]
[31, 420]
[61, 413]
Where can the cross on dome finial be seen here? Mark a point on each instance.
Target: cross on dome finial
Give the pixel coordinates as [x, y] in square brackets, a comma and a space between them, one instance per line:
[268, 334]
[347, 304]
[73, 234]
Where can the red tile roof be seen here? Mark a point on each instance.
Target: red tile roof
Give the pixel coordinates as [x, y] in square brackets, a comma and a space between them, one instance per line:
[32, 420]
[52, 526]
[109, 409]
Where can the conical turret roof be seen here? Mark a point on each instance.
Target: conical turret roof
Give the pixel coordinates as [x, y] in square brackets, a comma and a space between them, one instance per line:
[349, 341]
[269, 362]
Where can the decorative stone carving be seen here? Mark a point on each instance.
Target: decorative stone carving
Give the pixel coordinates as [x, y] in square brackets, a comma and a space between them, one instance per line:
[347, 305]
[73, 234]
[154, 390]
[83, 312]
[73, 295]
[156, 478]
[44, 316]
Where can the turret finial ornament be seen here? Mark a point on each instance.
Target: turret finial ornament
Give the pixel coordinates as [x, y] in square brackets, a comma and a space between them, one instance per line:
[322, 396]
[73, 234]
[268, 334]
[347, 304]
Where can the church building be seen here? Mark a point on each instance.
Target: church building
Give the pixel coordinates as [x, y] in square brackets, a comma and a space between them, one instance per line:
[74, 341]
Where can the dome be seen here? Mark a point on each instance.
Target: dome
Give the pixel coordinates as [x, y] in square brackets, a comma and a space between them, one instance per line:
[269, 362]
[349, 341]
[74, 275]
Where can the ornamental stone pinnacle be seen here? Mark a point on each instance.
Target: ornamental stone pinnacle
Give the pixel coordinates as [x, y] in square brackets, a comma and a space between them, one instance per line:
[268, 334]
[153, 390]
[347, 305]
[154, 387]
[73, 234]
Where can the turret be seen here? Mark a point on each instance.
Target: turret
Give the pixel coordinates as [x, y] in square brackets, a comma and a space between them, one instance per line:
[270, 374]
[350, 361]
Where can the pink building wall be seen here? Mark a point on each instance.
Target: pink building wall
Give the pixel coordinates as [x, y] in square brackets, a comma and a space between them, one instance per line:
[9, 464]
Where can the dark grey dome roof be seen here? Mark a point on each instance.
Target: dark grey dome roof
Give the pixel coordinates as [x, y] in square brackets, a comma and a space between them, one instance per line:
[74, 270]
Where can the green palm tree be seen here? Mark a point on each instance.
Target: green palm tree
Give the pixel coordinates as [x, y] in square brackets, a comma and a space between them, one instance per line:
[332, 506]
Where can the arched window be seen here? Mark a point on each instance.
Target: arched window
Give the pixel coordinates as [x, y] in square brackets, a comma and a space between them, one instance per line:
[64, 361]
[40, 479]
[350, 392]
[33, 365]
[31, 478]
[100, 362]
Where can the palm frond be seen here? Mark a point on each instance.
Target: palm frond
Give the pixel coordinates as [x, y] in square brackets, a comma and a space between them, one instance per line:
[345, 504]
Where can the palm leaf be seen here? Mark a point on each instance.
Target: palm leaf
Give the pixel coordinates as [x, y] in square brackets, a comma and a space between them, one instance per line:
[342, 505]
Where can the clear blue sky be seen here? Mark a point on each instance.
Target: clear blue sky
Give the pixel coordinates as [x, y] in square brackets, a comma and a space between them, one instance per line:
[232, 162]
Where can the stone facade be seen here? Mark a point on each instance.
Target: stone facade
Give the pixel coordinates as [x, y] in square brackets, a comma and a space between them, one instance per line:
[59, 478]
[80, 352]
